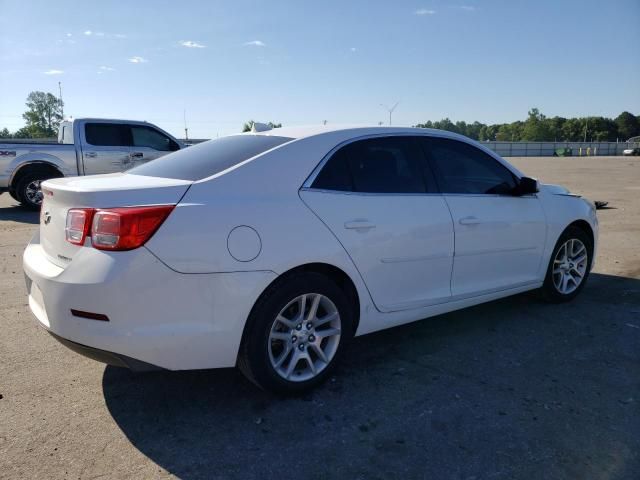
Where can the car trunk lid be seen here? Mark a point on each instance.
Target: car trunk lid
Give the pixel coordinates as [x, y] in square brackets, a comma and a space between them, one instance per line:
[98, 191]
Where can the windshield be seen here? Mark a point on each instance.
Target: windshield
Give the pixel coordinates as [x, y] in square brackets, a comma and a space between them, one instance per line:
[208, 158]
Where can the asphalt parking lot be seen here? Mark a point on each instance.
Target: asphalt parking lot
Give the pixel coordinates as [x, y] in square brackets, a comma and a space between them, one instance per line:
[512, 389]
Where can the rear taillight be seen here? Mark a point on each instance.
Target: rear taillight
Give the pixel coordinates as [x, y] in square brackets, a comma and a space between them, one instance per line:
[78, 225]
[126, 228]
[123, 228]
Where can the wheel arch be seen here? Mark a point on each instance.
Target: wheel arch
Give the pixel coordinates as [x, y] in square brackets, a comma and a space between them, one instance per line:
[30, 166]
[339, 276]
[584, 226]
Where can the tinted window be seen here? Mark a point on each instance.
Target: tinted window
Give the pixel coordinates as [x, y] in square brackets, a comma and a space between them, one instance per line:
[376, 165]
[107, 134]
[209, 158]
[335, 174]
[463, 168]
[150, 137]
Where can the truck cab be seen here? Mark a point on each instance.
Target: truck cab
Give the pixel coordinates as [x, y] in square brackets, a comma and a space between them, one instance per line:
[86, 146]
[107, 146]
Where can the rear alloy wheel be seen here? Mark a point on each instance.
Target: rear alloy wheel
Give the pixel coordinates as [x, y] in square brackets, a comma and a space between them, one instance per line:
[569, 266]
[295, 333]
[28, 191]
[304, 337]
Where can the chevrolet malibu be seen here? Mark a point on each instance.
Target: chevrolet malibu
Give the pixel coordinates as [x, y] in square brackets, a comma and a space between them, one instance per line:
[270, 250]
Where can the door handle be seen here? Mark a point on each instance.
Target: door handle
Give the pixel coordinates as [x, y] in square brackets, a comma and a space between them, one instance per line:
[469, 221]
[136, 155]
[359, 225]
[90, 154]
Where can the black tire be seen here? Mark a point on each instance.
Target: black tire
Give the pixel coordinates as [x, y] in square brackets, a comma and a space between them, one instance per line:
[13, 195]
[253, 357]
[21, 193]
[549, 291]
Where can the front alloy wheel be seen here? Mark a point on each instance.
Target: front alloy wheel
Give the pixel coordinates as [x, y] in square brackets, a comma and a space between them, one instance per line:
[569, 266]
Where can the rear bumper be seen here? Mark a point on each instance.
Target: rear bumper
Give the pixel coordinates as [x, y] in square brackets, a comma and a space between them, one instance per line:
[156, 316]
[110, 358]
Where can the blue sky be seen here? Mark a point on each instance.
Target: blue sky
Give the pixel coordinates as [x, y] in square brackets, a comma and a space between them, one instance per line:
[302, 62]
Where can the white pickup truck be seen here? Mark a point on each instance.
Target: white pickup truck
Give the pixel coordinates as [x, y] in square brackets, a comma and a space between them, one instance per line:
[86, 146]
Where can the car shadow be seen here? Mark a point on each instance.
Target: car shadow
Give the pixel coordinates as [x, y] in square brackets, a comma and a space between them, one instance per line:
[19, 214]
[502, 389]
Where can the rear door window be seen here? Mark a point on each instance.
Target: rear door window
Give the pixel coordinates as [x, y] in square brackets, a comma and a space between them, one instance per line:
[107, 135]
[209, 158]
[377, 165]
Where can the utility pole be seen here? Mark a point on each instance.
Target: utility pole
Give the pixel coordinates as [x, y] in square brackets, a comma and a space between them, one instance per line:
[586, 122]
[60, 99]
[390, 110]
[186, 130]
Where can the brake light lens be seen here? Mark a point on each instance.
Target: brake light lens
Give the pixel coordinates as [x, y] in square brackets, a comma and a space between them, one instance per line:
[123, 228]
[78, 225]
[126, 228]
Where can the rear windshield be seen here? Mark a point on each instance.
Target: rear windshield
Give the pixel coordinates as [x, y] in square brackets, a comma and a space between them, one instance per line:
[208, 158]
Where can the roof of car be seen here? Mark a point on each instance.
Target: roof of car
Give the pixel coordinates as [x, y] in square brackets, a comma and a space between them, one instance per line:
[312, 130]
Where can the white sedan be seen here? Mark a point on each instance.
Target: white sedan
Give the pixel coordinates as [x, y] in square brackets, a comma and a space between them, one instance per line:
[270, 250]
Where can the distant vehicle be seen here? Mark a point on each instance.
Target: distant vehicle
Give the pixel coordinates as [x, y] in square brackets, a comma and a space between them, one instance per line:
[86, 146]
[271, 250]
[631, 151]
[562, 152]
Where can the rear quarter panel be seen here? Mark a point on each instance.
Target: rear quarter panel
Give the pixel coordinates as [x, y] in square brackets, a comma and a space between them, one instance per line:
[264, 196]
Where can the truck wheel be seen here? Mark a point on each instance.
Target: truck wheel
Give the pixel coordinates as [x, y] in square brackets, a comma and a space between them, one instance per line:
[28, 191]
[13, 195]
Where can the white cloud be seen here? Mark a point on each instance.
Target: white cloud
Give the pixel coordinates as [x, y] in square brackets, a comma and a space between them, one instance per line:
[88, 33]
[468, 8]
[255, 43]
[69, 34]
[53, 71]
[138, 60]
[191, 44]
[120, 35]
[424, 11]
[105, 68]
[353, 49]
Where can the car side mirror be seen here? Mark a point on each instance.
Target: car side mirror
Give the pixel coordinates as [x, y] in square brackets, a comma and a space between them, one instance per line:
[526, 186]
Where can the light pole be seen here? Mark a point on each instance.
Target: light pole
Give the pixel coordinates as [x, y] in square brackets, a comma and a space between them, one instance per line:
[60, 99]
[390, 110]
[586, 126]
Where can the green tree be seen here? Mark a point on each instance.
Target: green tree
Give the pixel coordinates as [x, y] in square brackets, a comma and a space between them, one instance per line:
[555, 128]
[573, 130]
[510, 132]
[536, 128]
[628, 125]
[5, 133]
[43, 115]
